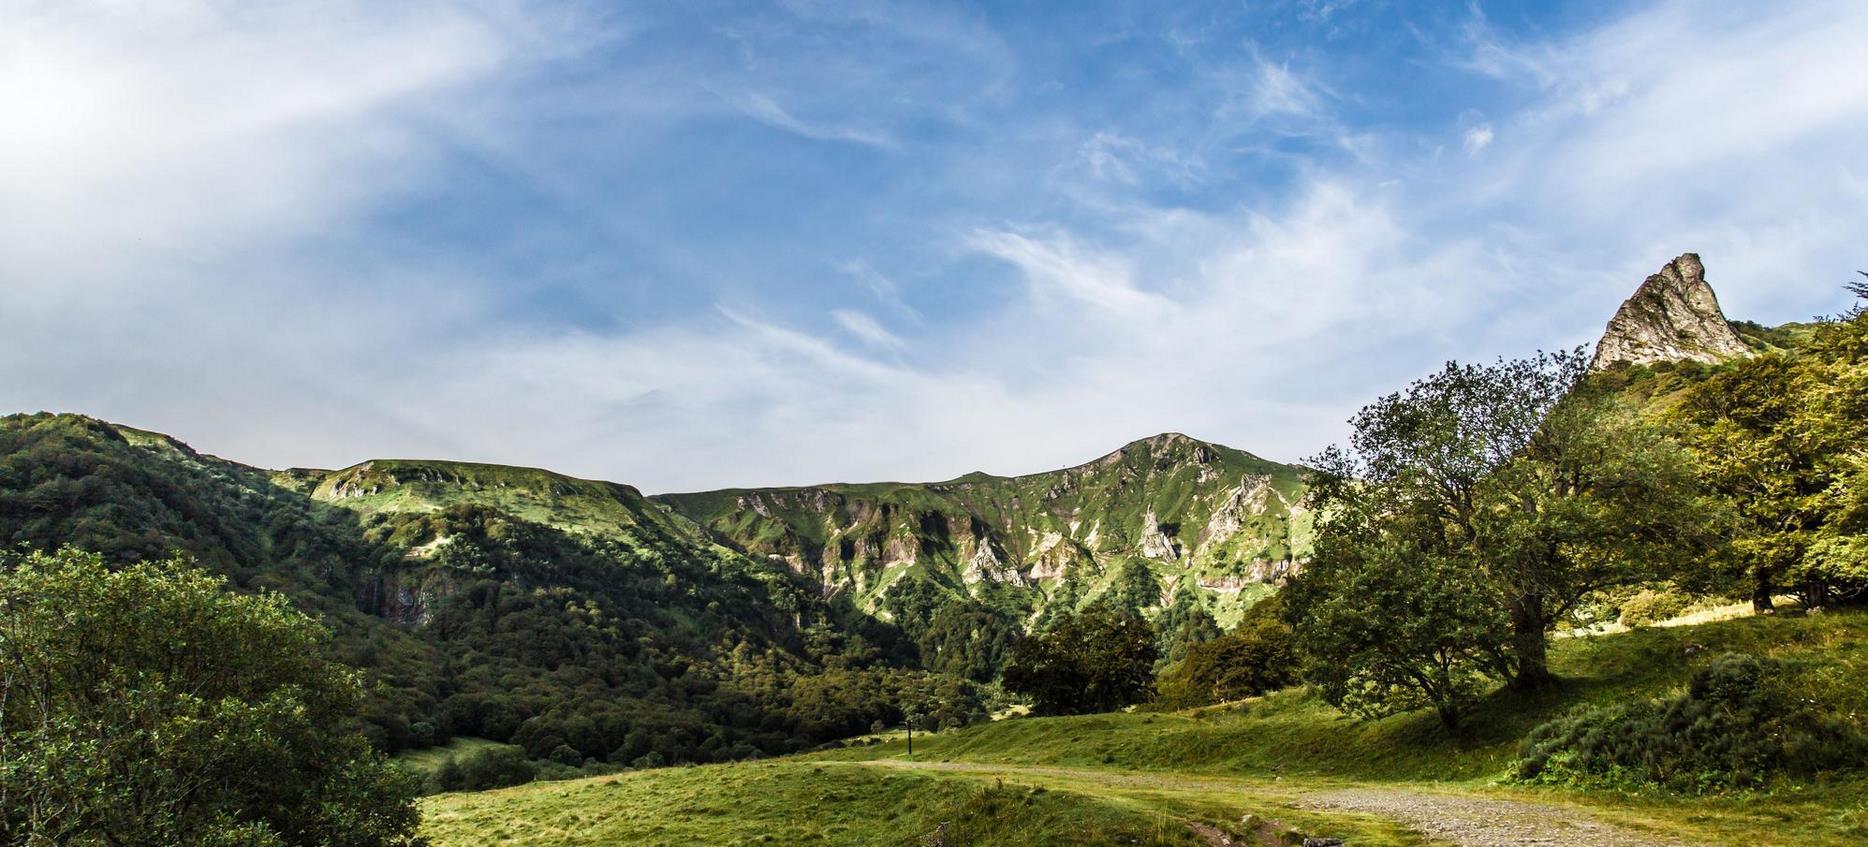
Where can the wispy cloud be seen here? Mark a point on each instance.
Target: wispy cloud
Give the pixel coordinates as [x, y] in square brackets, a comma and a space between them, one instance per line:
[766, 111]
[1476, 138]
[866, 328]
[1058, 267]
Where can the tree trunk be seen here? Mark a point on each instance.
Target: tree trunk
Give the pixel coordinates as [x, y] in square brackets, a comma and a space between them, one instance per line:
[1449, 717]
[1529, 631]
[1761, 594]
[1816, 594]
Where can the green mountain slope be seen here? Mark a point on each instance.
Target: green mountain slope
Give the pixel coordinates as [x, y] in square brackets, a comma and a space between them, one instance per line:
[1153, 517]
[540, 496]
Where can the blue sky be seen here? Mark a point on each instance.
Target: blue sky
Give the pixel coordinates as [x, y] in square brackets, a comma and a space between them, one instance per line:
[687, 245]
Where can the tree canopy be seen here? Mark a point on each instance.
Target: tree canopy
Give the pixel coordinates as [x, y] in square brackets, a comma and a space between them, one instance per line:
[1470, 514]
[1097, 660]
[149, 705]
[1777, 437]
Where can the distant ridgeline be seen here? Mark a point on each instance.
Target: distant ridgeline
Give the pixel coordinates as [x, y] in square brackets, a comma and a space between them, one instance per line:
[585, 621]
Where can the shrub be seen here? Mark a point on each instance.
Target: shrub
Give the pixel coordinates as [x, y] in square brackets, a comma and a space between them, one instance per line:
[1735, 726]
[1650, 607]
[489, 767]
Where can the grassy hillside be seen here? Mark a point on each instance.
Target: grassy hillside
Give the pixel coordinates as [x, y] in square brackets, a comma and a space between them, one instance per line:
[540, 496]
[1264, 757]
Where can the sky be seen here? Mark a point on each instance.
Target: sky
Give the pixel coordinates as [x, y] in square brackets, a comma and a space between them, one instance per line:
[699, 244]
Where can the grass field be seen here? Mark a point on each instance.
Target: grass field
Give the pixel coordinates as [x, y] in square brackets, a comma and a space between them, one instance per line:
[428, 760]
[1141, 777]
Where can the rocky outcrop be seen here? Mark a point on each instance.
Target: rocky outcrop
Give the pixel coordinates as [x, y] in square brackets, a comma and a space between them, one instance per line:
[1673, 316]
[1156, 543]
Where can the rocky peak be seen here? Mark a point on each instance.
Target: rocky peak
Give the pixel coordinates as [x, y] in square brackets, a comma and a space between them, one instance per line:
[1673, 316]
[1168, 447]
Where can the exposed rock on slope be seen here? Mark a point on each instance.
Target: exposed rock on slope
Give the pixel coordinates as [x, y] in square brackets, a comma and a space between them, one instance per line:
[1673, 316]
[1183, 507]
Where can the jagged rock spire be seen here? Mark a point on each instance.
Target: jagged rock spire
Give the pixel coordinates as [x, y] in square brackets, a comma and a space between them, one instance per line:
[1673, 316]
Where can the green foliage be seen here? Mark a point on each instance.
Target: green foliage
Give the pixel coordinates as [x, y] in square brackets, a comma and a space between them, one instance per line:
[1650, 607]
[1777, 436]
[1473, 512]
[952, 633]
[67, 480]
[1135, 590]
[1257, 657]
[148, 705]
[1184, 624]
[1737, 725]
[1094, 661]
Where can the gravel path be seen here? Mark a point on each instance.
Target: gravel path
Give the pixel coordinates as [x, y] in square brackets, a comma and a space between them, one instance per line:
[1477, 822]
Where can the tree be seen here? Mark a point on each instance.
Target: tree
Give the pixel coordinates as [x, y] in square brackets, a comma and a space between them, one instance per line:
[1750, 448]
[148, 705]
[1778, 437]
[1257, 656]
[1095, 661]
[1184, 623]
[1472, 512]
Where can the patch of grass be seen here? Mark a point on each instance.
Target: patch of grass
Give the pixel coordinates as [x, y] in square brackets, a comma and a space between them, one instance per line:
[428, 760]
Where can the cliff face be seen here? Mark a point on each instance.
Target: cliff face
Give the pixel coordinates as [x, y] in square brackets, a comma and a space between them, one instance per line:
[1673, 316]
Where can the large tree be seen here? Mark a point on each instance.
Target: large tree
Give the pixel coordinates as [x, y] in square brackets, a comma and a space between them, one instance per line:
[148, 705]
[1470, 513]
[1095, 661]
[1778, 437]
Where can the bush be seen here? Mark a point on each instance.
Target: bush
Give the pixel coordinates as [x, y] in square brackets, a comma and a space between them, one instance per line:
[1651, 607]
[1736, 726]
[489, 767]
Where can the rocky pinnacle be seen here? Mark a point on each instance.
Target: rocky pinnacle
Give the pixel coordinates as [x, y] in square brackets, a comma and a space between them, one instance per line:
[1673, 316]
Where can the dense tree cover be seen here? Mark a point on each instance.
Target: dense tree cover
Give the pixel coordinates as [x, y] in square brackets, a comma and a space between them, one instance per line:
[149, 705]
[1135, 589]
[1257, 656]
[71, 480]
[952, 632]
[1096, 660]
[1472, 512]
[1777, 437]
[634, 647]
